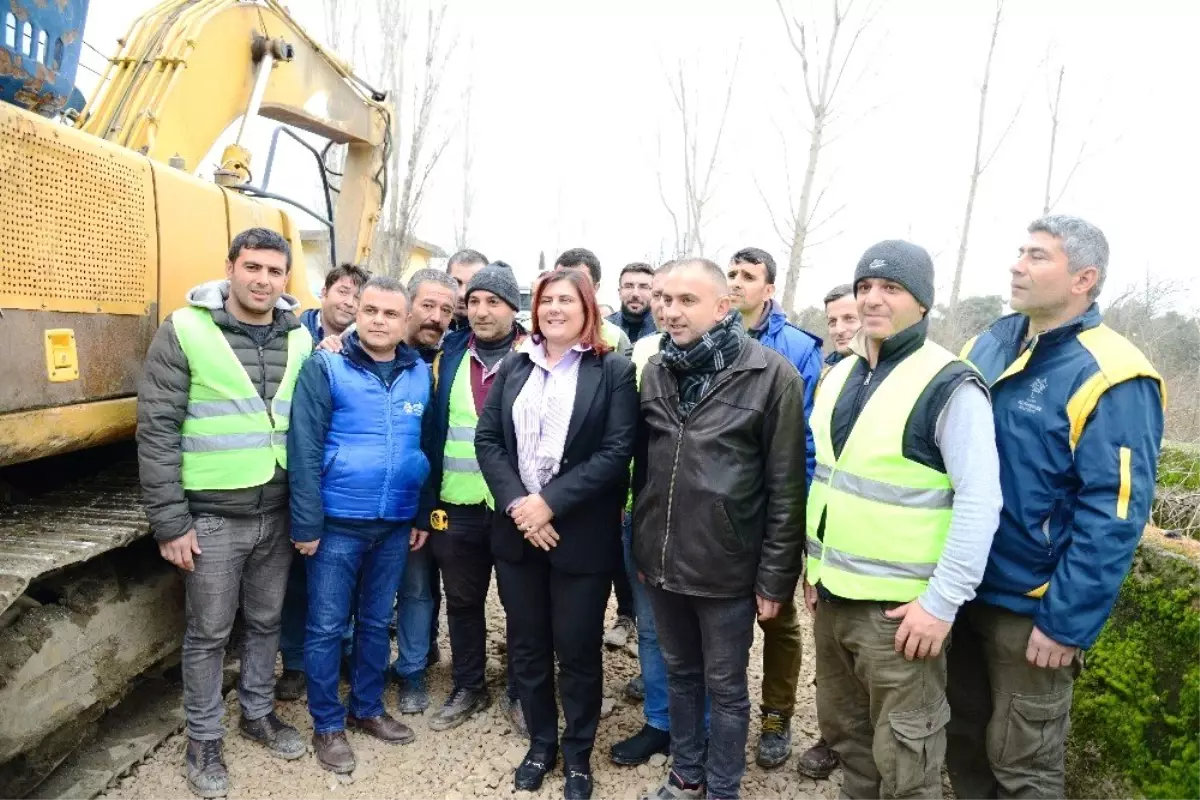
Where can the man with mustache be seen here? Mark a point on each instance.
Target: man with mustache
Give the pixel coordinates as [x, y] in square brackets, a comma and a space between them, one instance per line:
[418, 602]
[752, 287]
[901, 512]
[634, 288]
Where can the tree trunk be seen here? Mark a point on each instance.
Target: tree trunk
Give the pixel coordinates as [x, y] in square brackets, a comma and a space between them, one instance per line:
[802, 215]
[976, 170]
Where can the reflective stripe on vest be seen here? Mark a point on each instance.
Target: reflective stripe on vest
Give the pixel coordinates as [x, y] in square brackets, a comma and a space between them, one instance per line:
[229, 438]
[462, 481]
[886, 517]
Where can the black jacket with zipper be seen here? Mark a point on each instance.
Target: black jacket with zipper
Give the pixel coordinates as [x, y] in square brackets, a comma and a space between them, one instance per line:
[719, 498]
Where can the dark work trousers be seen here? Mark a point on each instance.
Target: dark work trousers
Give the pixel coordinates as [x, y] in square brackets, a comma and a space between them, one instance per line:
[435, 589]
[553, 613]
[624, 592]
[463, 553]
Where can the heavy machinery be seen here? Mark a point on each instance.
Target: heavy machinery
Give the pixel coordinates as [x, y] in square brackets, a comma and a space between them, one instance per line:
[104, 228]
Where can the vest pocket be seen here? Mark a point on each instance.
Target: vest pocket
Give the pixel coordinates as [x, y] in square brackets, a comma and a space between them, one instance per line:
[330, 458]
[919, 748]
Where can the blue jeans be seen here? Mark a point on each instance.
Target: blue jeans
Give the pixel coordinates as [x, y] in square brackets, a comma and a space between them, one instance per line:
[654, 669]
[295, 619]
[372, 561]
[414, 615]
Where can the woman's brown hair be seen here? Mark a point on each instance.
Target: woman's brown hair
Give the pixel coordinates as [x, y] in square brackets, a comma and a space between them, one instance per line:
[591, 335]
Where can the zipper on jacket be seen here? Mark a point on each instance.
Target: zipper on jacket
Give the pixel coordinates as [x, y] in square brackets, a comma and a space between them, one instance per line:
[675, 468]
[262, 367]
[860, 400]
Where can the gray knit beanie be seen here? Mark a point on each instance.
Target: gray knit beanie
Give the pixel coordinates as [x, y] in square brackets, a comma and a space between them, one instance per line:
[902, 262]
[498, 279]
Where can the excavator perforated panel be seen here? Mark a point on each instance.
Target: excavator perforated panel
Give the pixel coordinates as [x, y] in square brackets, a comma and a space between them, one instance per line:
[77, 228]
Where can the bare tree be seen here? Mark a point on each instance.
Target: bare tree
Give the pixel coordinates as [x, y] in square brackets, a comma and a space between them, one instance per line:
[420, 149]
[823, 68]
[463, 228]
[1055, 107]
[698, 171]
[981, 162]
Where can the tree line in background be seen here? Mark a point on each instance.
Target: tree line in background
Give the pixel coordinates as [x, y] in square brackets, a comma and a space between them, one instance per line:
[1144, 314]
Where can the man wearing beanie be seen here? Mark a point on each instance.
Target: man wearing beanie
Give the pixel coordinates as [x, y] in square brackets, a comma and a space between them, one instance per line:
[901, 512]
[456, 506]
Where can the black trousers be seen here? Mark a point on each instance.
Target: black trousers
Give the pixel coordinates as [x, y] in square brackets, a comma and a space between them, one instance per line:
[463, 554]
[553, 613]
[624, 592]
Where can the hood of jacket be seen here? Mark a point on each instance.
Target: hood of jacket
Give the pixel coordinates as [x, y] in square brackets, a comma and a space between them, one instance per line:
[213, 294]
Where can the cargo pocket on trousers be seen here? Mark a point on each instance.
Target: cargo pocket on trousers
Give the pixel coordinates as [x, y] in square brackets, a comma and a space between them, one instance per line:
[919, 750]
[1036, 729]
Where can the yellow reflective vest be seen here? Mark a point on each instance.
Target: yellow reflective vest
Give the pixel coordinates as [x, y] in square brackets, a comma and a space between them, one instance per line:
[230, 441]
[886, 518]
[462, 482]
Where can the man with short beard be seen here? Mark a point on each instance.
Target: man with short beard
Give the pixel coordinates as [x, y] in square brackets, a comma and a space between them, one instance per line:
[634, 288]
[339, 303]
[214, 404]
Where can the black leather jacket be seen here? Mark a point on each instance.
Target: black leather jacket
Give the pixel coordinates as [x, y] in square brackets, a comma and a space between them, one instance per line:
[719, 499]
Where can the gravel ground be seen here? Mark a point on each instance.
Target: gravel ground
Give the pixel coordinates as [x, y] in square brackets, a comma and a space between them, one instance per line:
[476, 759]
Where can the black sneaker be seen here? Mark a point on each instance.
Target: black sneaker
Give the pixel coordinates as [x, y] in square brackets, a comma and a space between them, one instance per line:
[414, 694]
[635, 690]
[206, 773]
[775, 742]
[638, 748]
[280, 739]
[458, 708]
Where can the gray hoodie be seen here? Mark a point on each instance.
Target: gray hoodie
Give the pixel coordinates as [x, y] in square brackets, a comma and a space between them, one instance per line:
[162, 404]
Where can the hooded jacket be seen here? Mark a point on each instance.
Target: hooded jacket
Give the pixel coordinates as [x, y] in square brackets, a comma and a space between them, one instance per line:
[803, 350]
[1079, 421]
[162, 405]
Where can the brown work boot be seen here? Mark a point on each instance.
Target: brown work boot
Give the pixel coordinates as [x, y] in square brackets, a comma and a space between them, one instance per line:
[818, 761]
[384, 728]
[333, 751]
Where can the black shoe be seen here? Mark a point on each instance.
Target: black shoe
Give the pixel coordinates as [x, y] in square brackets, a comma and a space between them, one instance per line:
[533, 769]
[578, 785]
[290, 685]
[638, 748]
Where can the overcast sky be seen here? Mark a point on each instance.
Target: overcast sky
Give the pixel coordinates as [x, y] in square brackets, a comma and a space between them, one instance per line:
[571, 102]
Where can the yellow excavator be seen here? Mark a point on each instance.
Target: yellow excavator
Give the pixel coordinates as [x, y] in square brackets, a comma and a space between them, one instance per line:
[104, 228]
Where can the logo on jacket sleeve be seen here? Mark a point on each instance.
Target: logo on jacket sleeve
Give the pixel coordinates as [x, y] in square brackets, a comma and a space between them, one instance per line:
[1033, 403]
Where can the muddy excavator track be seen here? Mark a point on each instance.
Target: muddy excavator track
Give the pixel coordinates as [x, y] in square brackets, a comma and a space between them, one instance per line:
[87, 606]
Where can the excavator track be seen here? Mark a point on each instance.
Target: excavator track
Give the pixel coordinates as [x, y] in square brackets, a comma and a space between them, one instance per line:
[68, 526]
[87, 606]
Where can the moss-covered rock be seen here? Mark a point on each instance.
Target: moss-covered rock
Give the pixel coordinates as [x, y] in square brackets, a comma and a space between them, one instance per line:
[1136, 715]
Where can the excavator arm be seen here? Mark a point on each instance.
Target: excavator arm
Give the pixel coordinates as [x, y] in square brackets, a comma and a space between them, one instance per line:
[188, 69]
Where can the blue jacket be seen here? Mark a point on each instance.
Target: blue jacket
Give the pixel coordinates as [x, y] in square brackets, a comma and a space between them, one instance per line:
[804, 351]
[311, 320]
[354, 443]
[1079, 421]
[648, 326]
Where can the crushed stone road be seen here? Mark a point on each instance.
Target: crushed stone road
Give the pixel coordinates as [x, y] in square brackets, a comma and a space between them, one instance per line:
[476, 759]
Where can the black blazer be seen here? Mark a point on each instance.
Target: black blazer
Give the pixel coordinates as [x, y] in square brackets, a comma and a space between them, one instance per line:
[588, 494]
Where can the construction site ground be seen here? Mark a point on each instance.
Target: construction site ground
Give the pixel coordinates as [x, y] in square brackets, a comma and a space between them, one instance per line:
[476, 759]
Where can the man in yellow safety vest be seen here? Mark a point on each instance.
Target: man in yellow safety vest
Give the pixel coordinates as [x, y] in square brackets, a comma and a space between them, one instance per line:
[456, 505]
[901, 512]
[213, 409]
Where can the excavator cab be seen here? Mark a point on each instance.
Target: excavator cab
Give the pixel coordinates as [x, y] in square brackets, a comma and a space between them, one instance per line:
[39, 55]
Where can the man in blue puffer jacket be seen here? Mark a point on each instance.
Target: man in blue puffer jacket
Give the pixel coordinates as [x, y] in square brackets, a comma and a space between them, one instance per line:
[356, 469]
[752, 285]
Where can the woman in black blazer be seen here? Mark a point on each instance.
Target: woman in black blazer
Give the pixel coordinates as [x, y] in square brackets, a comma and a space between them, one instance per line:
[554, 442]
